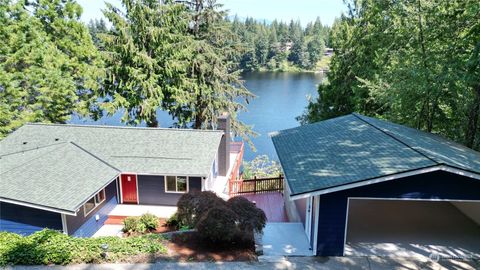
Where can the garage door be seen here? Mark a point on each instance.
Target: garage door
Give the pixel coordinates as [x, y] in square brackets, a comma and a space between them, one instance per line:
[411, 228]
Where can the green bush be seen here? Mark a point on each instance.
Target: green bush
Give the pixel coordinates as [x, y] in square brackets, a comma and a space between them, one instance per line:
[173, 221]
[218, 225]
[133, 225]
[53, 247]
[150, 221]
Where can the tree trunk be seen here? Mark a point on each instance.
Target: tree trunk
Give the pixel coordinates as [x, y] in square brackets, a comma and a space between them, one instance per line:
[152, 121]
[473, 119]
[426, 111]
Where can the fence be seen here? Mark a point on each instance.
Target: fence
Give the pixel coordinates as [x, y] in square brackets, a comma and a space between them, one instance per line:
[257, 185]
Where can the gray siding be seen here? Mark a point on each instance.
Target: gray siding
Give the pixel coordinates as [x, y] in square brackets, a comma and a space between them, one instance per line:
[26, 220]
[75, 222]
[151, 190]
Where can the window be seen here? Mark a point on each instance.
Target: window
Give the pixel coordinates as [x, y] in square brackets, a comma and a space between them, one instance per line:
[176, 184]
[95, 201]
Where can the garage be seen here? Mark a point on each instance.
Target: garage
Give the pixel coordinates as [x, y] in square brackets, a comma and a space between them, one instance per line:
[392, 227]
[381, 189]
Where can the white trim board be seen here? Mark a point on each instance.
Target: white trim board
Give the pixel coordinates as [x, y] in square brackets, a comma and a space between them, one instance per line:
[64, 224]
[388, 178]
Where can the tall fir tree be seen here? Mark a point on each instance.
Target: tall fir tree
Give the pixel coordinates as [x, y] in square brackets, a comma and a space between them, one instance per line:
[49, 66]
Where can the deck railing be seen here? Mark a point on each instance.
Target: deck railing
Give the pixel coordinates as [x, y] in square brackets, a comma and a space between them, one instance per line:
[257, 185]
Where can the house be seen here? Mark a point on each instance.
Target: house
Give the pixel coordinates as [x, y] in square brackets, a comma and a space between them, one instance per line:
[364, 186]
[69, 177]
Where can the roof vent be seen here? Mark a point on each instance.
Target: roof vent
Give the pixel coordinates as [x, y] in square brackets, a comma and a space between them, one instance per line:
[57, 139]
[24, 142]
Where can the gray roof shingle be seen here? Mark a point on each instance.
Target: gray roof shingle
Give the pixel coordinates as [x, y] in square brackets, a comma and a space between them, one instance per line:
[60, 176]
[60, 165]
[354, 148]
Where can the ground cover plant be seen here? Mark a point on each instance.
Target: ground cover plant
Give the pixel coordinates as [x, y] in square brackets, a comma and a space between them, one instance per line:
[144, 223]
[53, 247]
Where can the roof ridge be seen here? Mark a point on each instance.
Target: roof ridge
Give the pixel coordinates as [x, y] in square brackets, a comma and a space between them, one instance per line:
[31, 149]
[35, 158]
[95, 156]
[280, 132]
[395, 138]
[125, 127]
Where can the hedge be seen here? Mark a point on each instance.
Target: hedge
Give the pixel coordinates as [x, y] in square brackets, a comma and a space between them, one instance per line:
[53, 247]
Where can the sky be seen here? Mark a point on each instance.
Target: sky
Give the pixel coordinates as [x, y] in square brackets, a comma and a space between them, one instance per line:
[285, 10]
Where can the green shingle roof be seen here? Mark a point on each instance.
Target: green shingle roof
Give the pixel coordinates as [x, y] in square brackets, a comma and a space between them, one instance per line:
[354, 148]
[60, 176]
[60, 166]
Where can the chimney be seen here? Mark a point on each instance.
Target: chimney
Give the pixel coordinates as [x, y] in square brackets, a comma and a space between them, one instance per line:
[224, 149]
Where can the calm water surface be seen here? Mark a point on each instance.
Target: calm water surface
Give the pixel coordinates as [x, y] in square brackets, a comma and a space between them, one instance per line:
[280, 98]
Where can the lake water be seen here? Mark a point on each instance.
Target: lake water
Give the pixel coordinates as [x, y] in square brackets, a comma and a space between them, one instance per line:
[280, 98]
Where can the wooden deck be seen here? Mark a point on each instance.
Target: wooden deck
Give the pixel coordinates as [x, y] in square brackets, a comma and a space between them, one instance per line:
[271, 203]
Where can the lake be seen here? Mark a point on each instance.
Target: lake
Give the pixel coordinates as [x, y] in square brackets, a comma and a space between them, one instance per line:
[280, 98]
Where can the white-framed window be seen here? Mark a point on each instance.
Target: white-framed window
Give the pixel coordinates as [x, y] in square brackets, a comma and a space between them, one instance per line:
[176, 184]
[94, 202]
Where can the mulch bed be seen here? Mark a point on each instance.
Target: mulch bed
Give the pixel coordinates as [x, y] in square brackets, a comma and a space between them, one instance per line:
[188, 246]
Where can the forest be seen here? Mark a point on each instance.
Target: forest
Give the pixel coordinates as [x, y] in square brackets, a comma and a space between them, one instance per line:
[415, 63]
[278, 46]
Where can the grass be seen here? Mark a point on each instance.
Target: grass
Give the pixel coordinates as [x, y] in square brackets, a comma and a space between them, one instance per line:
[53, 247]
[324, 63]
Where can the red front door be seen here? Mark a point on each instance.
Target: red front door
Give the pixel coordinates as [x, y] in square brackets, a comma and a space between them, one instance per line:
[129, 188]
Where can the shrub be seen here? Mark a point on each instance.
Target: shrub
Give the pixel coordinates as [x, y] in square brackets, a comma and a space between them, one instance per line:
[250, 217]
[217, 225]
[133, 225]
[191, 206]
[53, 247]
[150, 221]
[186, 206]
[173, 221]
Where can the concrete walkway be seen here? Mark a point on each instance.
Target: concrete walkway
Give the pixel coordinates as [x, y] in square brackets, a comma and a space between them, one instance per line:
[285, 239]
[323, 263]
[130, 210]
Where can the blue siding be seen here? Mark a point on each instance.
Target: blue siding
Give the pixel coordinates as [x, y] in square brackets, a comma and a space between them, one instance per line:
[435, 185]
[91, 226]
[26, 220]
[151, 190]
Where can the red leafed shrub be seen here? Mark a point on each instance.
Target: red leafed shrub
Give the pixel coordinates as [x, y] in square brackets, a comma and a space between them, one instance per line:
[191, 206]
[218, 225]
[250, 218]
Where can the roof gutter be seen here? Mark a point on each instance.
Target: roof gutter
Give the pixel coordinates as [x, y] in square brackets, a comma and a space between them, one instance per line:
[371, 181]
[41, 207]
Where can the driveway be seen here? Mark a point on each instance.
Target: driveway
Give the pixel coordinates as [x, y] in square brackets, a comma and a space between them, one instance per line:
[411, 228]
[285, 239]
[322, 263]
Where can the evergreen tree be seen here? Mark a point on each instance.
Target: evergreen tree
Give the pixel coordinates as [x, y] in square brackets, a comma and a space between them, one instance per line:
[412, 62]
[147, 55]
[49, 66]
